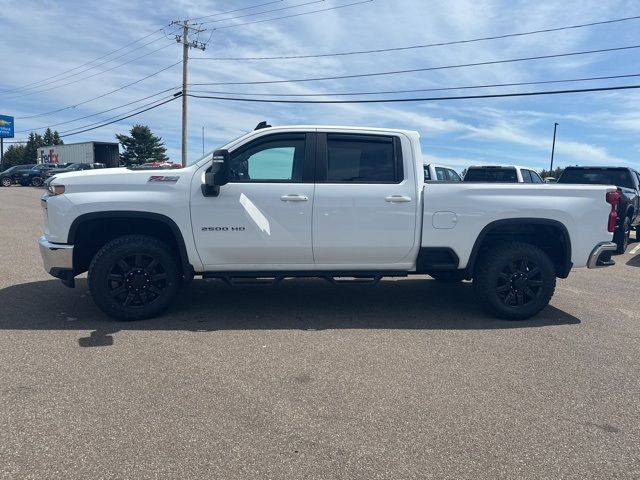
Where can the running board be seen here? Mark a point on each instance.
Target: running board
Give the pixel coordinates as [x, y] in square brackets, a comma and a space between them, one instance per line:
[274, 278]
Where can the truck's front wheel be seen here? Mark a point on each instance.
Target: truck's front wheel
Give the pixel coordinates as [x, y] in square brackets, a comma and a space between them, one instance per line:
[514, 280]
[134, 277]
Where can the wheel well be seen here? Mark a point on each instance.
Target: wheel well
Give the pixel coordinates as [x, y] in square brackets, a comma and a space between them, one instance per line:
[550, 236]
[90, 235]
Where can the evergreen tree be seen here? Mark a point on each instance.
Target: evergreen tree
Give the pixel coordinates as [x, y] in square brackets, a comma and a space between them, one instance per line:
[56, 138]
[142, 146]
[555, 173]
[15, 155]
[31, 150]
[47, 139]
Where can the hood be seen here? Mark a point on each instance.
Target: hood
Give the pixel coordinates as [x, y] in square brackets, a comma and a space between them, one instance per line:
[113, 179]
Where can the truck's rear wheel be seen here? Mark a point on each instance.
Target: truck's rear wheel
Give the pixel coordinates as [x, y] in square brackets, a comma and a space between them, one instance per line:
[514, 280]
[36, 182]
[134, 277]
[621, 237]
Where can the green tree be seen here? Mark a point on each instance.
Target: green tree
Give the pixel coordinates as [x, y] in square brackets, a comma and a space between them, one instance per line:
[555, 173]
[47, 138]
[56, 138]
[15, 155]
[141, 146]
[34, 142]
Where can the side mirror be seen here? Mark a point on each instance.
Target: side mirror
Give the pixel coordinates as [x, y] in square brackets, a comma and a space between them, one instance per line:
[218, 175]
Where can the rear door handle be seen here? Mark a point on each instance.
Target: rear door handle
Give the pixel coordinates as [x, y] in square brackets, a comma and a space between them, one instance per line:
[294, 198]
[397, 199]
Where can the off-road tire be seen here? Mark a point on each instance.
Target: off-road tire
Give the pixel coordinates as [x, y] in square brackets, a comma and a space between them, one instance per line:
[514, 280]
[621, 237]
[134, 277]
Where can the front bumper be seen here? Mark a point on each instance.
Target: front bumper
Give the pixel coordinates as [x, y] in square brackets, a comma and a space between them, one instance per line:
[601, 255]
[58, 260]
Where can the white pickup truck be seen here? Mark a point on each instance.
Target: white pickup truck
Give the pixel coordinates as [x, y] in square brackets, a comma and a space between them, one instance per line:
[312, 201]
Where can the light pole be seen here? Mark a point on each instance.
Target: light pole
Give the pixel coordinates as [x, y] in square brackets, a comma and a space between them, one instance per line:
[553, 146]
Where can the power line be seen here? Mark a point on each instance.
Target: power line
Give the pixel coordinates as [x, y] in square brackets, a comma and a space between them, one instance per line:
[289, 7]
[121, 118]
[49, 81]
[425, 69]
[294, 15]
[236, 10]
[97, 113]
[99, 122]
[434, 89]
[89, 62]
[440, 44]
[102, 95]
[89, 76]
[424, 99]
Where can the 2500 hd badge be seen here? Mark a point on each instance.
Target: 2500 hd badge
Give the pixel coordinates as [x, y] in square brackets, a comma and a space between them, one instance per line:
[223, 229]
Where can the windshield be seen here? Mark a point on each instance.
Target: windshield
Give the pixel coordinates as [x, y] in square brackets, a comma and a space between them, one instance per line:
[504, 175]
[597, 176]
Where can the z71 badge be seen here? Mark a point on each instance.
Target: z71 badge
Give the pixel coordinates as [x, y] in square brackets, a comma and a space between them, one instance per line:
[162, 179]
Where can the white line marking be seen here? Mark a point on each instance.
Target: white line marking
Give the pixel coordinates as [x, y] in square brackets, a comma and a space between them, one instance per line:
[635, 250]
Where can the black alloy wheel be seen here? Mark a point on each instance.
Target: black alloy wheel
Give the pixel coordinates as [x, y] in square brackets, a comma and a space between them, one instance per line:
[6, 181]
[519, 283]
[134, 277]
[138, 280]
[514, 280]
[36, 182]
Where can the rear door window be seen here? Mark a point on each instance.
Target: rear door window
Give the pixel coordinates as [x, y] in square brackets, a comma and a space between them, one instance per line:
[363, 159]
[441, 173]
[526, 176]
[453, 175]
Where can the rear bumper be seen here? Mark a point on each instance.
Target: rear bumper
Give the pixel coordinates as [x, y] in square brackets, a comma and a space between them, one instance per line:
[601, 255]
[58, 260]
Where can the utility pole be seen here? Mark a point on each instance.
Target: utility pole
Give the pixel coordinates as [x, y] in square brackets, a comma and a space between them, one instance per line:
[186, 45]
[553, 147]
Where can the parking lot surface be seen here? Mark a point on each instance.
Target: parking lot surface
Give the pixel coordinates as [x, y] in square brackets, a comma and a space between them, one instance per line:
[408, 379]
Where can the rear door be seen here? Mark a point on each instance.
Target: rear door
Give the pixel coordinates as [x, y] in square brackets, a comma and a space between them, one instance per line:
[365, 202]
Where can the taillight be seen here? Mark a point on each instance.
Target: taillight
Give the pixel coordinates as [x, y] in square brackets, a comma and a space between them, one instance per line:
[613, 198]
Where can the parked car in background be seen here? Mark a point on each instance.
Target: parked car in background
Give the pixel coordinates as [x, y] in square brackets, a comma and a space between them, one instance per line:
[440, 173]
[501, 174]
[155, 166]
[35, 175]
[74, 167]
[627, 180]
[10, 175]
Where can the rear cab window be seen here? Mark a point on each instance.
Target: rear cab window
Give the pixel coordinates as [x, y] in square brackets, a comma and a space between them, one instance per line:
[492, 174]
[619, 177]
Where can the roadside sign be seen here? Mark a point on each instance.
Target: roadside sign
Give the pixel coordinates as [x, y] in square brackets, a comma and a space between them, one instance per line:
[6, 126]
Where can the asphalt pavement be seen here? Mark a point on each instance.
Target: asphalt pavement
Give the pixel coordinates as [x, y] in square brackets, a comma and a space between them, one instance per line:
[405, 380]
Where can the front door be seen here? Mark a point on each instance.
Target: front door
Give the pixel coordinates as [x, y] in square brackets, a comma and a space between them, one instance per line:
[262, 217]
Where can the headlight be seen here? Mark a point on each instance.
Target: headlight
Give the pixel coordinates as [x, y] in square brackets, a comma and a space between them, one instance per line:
[56, 189]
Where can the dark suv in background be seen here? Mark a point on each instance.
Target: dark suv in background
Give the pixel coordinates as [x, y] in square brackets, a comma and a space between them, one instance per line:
[627, 180]
[10, 175]
[35, 175]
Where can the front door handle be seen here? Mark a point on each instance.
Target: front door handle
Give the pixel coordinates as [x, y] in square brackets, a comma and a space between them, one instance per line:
[294, 198]
[397, 199]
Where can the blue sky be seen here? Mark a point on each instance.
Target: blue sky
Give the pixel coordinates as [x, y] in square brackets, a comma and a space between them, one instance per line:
[44, 38]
